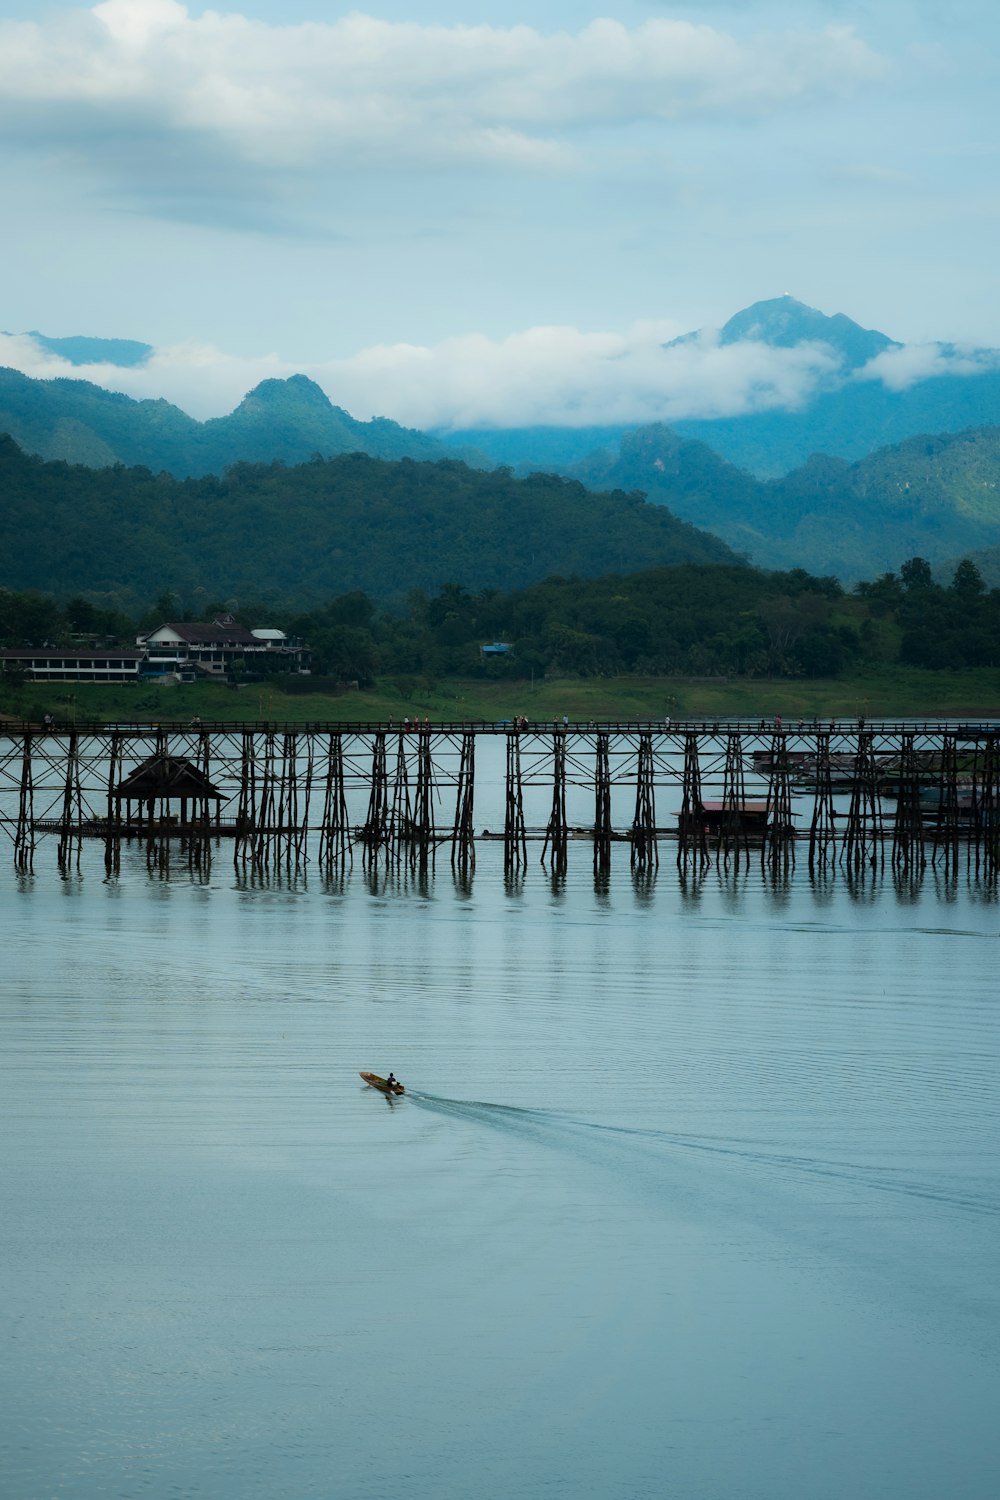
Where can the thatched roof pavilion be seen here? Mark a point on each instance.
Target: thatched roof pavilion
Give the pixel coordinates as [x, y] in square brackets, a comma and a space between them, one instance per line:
[166, 777]
[148, 791]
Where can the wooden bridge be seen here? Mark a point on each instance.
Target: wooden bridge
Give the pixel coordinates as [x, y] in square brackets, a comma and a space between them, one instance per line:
[852, 795]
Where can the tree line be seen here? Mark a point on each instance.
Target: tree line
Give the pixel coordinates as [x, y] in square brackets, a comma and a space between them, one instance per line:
[687, 620]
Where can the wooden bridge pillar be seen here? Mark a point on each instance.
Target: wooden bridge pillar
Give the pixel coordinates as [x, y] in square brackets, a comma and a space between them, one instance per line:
[335, 833]
[645, 854]
[822, 828]
[463, 834]
[375, 832]
[72, 806]
[692, 841]
[777, 851]
[908, 830]
[24, 835]
[246, 801]
[557, 828]
[602, 804]
[947, 824]
[422, 844]
[515, 844]
[113, 841]
[732, 838]
[985, 829]
[863, 840]
[401, 813]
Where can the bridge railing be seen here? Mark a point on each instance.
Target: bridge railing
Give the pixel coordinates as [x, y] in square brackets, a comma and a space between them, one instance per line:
[670, 726]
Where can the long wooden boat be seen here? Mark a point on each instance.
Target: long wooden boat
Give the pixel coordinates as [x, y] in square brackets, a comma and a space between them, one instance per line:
[381, 1083]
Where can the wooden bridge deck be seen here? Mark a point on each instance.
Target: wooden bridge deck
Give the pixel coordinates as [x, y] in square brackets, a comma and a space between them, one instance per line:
[963, 728]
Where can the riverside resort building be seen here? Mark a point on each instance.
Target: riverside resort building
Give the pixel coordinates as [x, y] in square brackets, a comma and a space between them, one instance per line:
[180, 651]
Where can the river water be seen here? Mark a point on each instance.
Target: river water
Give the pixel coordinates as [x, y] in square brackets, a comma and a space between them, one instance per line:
[695, 1191]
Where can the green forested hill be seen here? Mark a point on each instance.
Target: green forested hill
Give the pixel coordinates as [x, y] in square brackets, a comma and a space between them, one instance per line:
[938, 496]
[322, 528]
[285, 419]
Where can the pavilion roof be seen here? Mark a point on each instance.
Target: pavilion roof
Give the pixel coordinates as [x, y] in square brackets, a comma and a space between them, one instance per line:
[166, 776]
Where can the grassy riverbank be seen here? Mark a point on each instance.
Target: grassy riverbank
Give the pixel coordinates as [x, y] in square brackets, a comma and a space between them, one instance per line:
[896, 693]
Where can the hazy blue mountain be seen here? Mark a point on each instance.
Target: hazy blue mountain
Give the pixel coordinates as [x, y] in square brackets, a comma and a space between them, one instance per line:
[847, 417]
[783, 322]
[80, 350]
[847, 422]
[850, 422]
[290, 420]
[524, 449]
[938, 497]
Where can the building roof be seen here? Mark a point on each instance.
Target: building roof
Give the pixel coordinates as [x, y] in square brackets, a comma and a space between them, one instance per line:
[79, 653]
[750, 808]
[217, 633]
[166, 776]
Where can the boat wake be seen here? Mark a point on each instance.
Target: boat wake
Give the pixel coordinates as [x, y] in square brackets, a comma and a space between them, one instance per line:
[605, 1145]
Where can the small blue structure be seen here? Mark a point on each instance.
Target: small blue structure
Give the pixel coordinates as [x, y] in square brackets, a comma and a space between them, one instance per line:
[496, 648]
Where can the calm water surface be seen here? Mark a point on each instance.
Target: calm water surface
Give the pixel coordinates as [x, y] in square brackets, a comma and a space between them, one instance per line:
[695, 1192]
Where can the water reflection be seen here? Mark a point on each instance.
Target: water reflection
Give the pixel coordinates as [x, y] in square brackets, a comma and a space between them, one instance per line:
[778, 883]
[691, 883]
[823, 885]
[735, 880]
[908, 884]
[863, 884]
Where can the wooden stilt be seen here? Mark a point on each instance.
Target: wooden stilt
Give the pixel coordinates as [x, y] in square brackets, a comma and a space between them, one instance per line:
[463, 835]
[645, 854]
[822, 828]
[777, 851]
[515, 846]
[24, 836]
[602, 805]
[692, 839]
[557, 829]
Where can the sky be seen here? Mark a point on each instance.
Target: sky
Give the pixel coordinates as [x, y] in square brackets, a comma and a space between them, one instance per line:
[456, 217]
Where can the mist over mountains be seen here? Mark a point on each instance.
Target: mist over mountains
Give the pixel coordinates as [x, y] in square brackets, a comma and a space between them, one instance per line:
[854, 390]
[878, 453]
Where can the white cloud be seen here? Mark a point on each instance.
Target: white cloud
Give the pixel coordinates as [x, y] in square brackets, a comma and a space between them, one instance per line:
[900, 368]
[558, 375]
[563, 376]
[362, 89]
[566, 376]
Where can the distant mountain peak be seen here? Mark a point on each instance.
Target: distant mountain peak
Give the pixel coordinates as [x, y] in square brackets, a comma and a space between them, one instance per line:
[84, 350]
[300, 388]
[783, 322]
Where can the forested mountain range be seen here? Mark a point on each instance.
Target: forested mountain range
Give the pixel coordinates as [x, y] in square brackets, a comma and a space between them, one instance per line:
[831, 505]
[938, 497]
[288, 419]
[298, 534]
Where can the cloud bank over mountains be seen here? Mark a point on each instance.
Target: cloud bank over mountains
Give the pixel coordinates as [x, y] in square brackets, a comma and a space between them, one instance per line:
[559, 376]
[358, 90]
